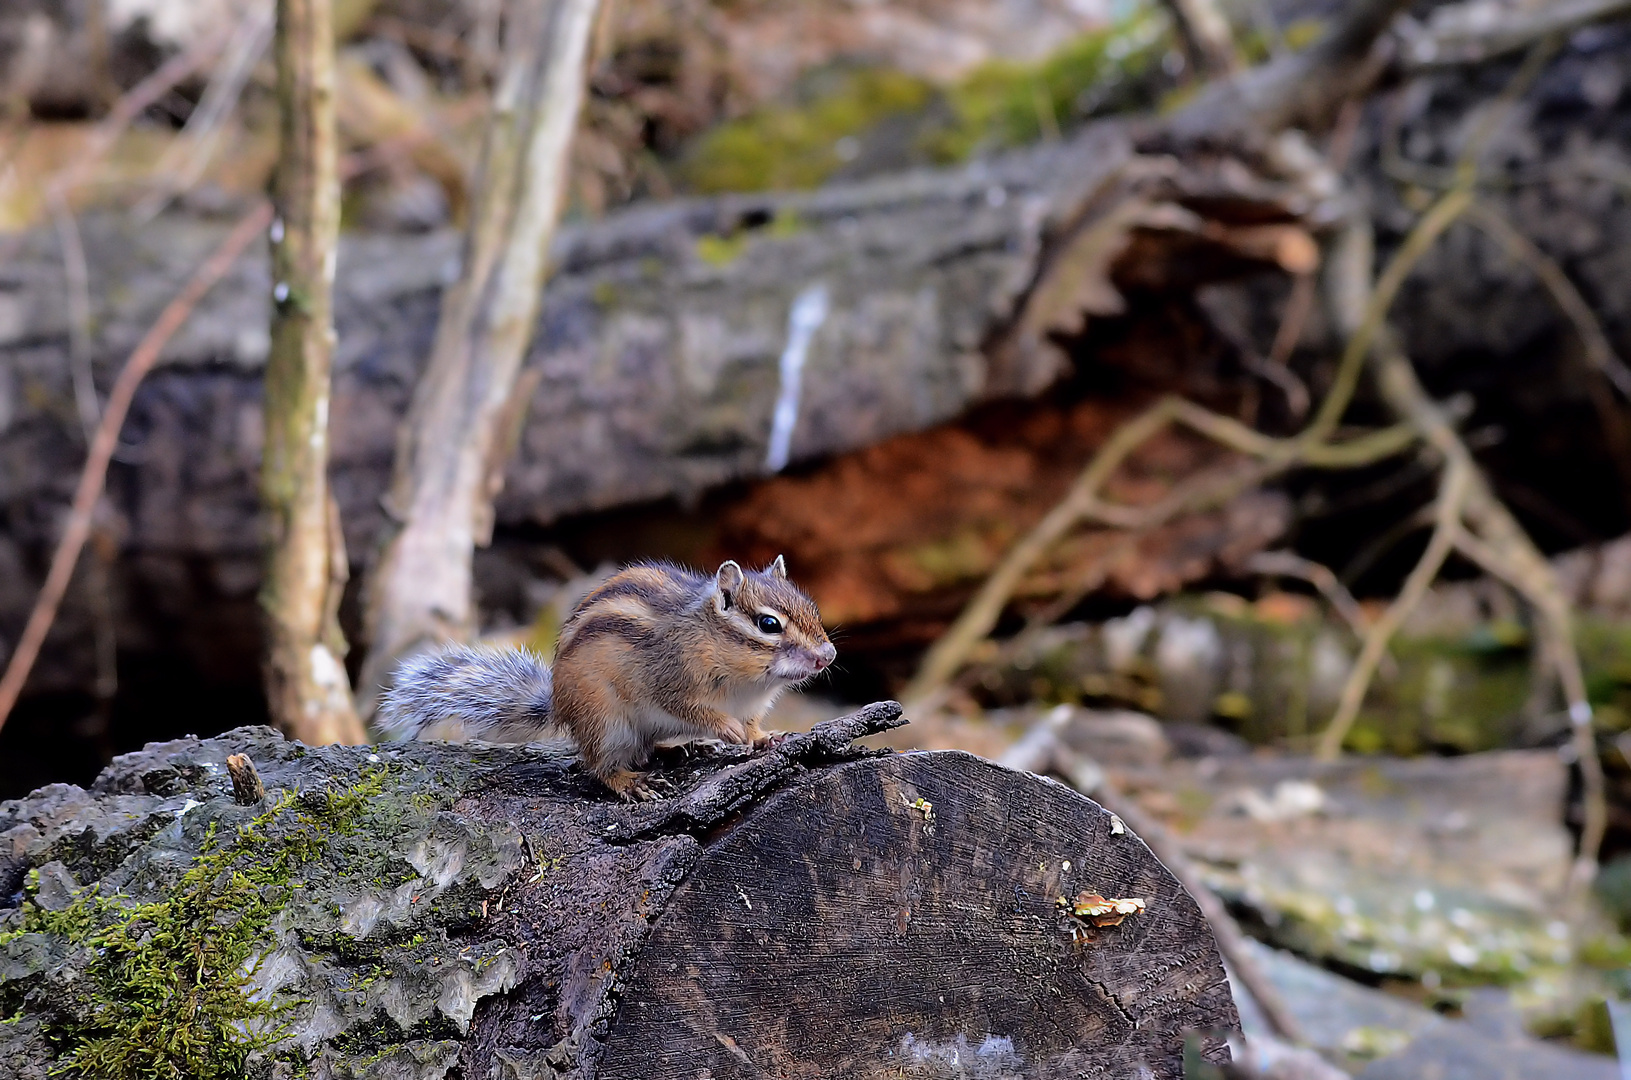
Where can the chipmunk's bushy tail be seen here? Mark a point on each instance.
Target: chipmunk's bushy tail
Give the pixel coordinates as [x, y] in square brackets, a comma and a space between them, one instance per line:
[461, 692]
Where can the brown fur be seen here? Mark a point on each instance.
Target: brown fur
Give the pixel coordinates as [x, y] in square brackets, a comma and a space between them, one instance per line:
[659, 652]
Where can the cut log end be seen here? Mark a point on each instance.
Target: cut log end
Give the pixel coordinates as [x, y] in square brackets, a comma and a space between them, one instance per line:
[902, 916]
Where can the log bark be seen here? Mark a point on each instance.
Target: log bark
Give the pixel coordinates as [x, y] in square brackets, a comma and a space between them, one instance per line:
[1299, 90]
[812, 910]
[460, 428]
[306, 568]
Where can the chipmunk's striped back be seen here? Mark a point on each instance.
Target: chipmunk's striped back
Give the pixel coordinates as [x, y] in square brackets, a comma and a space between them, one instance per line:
[655, 652]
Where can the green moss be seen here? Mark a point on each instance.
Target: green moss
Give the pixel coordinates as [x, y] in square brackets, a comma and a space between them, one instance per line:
[1000, 104]
[720, 250]
[787, 222]
[1254, 45]
[1008, 104]
[168, 986]
[800, 146]
[966, 555]
[717, 249]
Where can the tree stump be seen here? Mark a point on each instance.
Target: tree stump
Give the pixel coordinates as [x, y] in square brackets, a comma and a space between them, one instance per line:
[430, 910]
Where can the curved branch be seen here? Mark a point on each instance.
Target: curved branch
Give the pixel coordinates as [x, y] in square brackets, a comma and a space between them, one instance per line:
[1083, 503]
[1452, 498]
[95, 473]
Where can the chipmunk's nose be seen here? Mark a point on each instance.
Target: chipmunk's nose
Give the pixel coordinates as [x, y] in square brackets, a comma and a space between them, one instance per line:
[824, 655]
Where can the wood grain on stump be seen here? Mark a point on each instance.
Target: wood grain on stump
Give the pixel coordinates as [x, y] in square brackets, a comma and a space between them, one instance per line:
[898, 916]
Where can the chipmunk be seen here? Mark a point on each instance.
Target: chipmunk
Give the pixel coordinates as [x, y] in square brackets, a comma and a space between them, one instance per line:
[655, 652]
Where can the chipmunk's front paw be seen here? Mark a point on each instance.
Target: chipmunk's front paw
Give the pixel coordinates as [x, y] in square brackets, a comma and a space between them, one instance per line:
[736, 732]
[769, 739]
[631, 786]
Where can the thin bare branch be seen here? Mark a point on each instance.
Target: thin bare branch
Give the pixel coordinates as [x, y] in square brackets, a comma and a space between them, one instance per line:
[186, 158]
[68, 179]
[1303, 89]
[135, 101]
[1493, 538]
[1290, 564]
[1365, 306]
[1206, 36]
[94, 475]
[1451, 500]
[1083, 503]
[1600, 352]
[77, 277]
[1438, 218]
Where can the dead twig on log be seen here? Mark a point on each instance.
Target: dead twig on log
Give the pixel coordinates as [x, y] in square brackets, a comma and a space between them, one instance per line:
[94, 475]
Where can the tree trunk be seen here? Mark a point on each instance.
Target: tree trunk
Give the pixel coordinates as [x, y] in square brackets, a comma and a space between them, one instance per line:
[306, 684]
[812, 910]
[466, 414]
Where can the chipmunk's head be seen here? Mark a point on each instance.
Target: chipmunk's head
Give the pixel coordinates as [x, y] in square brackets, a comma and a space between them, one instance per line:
[775, 618]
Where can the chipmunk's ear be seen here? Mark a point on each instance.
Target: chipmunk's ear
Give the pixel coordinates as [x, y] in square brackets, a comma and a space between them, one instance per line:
[777, 569]
[727, 579]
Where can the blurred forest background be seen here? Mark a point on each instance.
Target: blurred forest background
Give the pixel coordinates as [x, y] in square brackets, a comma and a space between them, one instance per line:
[1219, 403]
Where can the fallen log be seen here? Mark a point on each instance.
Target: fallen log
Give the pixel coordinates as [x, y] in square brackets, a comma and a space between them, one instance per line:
[425, 910]
[654, 373]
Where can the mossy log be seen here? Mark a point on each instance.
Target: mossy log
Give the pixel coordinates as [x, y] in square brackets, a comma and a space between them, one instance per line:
[430, 910]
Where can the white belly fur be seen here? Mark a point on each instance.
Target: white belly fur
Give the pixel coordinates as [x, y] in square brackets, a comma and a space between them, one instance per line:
[659, 724]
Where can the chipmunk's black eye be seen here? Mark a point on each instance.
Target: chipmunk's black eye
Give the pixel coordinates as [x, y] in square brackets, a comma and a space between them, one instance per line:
[769, 624]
